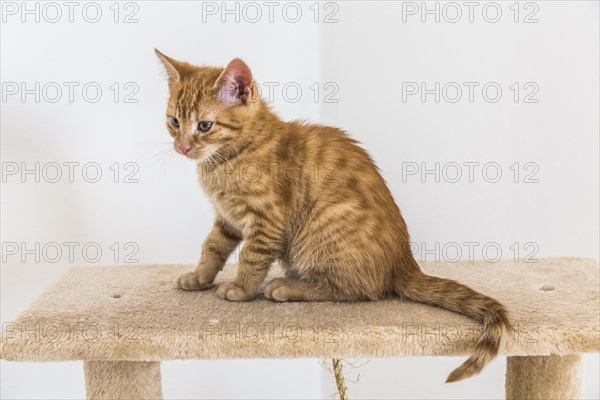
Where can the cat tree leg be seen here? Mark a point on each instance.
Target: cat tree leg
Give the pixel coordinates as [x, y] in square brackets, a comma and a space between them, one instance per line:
[122, 380]
[544, 377]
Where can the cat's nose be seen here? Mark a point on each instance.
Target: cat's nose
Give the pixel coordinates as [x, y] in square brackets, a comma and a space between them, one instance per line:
[184, 149]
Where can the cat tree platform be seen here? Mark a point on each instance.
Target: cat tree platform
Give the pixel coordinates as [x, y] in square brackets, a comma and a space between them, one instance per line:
[123, 320]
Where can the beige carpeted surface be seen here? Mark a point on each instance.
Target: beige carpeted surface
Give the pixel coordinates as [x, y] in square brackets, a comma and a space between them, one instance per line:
[125, 380]
[136, 313]
[544, 378]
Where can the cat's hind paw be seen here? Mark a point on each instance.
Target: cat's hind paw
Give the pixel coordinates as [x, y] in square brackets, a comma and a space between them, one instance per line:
[276, 290]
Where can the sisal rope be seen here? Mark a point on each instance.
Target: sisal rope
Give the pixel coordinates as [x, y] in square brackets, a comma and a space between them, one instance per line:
[339, 379]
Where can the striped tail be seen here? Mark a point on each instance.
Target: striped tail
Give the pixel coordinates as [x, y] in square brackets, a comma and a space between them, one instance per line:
[459, 298]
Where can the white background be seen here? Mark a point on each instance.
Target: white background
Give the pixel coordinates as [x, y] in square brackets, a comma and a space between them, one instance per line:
[367, 55]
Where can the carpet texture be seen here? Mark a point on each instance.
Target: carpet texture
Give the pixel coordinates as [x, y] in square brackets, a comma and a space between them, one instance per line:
[135, 313]
[544, 378]
[125, 380]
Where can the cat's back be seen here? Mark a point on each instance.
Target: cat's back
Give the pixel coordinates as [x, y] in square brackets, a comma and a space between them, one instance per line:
[328, 145]
[338, 170]
[339, 158]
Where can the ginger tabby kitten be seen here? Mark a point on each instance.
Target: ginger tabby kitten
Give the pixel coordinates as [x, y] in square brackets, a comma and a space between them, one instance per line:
[307, 196]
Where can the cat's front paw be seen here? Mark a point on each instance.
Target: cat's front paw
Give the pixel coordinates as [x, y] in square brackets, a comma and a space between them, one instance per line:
[192, 281]
[230, 291]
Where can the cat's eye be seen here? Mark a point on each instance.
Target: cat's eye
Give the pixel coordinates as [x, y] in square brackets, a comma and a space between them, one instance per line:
[204, 126]
[173, 121]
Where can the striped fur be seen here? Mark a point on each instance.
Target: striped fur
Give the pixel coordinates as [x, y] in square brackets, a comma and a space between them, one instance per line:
[307, 196]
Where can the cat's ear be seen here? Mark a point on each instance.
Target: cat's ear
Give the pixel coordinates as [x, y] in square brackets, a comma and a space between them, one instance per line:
[173, 68]
[235, 85]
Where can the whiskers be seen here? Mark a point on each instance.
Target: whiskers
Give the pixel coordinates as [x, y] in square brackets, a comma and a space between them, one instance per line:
[211, 161]
[165, 154]
[222, 159]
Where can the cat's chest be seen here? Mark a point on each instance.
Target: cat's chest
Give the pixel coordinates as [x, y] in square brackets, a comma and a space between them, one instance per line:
[233, 209]
[231, 200]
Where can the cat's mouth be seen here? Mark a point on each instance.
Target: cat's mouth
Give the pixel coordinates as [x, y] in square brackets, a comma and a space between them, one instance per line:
[190, 152]
[196, 154]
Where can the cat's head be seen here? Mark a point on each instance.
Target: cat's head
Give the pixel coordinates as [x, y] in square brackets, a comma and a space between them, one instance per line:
[208, 107]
